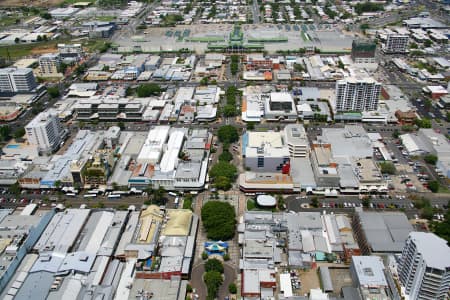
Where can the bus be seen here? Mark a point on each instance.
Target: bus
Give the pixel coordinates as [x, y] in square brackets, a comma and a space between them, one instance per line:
[71, 195]
[114, 196]
[172, 194]
[119, 193]
[90, 196]
[177, 200]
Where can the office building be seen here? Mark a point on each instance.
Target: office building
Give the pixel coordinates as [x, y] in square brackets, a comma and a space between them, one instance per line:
[280, 106]
[368, 276]
[265, 151]
[49, 63]
[357, 94]
[17, 80]
[45, 131]
[296, 140]
[396, 43]
[363, 51]
[424, 267]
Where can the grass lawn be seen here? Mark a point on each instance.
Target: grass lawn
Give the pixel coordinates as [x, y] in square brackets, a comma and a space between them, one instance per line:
[106, 18]
[251, 205]
[443, 189]
[16, 51]
[9, 20]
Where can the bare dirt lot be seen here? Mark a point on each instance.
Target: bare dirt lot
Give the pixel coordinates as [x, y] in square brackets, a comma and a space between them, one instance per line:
[340, 278]
[309, 280]
[39, 3]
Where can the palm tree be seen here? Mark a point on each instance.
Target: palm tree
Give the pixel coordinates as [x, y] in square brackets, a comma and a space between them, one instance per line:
[158, 195]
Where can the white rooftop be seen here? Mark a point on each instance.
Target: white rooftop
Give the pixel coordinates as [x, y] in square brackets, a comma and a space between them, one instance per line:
[434, 250]
[369, 270]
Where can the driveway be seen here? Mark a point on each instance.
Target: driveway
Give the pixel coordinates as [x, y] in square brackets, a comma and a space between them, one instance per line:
[230, 277]
[197, 281]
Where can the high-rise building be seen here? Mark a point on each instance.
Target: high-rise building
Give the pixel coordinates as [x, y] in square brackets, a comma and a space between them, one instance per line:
[49, 63]
[424, 267]
[363, 51]
[396, 43]
[357, 94]
[17, 80]
[45, 131]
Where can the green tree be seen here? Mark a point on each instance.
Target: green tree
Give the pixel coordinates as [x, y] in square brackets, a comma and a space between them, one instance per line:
[219, 219]
[232, 288]
[225, 169]
[250, 126]
[46, 15]
[204, 255]
[427, 43]
[395, 134]
[442, 229]
[15, 188]
[228, 134]
[121, 125]
[148, 89]
[421, 203]
[387, 168]
[158, 195]
[280, 202]
[430, 159]
[433, 186]
[366, 202]
[225, 156]
[222, 183]
[423, 123]
[5, 131]
[226, 257]
[427, 213]
[214, 264]
[229, 110]
[314, 202]
[364, 27]
[57, 184]
[19, 133]
[187, 201]
[213, 281]
[204, 81]
[53, 92]
[368, 7]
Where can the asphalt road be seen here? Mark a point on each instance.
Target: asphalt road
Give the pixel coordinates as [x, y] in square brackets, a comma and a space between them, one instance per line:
[197, 281]
[230, 277]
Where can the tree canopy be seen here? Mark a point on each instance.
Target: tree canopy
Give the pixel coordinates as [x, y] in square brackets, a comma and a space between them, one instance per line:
[214, 264]
[387, 168]
[225, 156]
[228, 134]
[219, 219]
[430, 159]
[223, 169]
[4, 132]
[148, 89]
[213, 281]
[53, 92]
[442, 229]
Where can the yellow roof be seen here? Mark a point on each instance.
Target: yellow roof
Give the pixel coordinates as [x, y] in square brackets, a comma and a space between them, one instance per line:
[179, 222]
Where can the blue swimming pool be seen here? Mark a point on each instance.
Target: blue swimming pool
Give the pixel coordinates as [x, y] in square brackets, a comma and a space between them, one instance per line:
[13, 146]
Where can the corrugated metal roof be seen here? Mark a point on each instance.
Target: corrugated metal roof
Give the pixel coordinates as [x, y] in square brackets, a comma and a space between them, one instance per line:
[326, 279]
